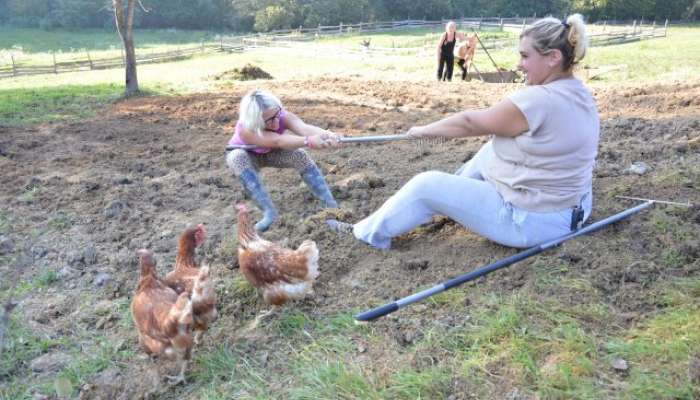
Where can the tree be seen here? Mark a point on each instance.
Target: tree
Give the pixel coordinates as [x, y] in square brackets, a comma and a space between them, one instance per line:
[125, 26]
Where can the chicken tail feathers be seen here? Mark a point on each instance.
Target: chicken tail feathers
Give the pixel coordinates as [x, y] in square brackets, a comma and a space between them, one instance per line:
[309, 248]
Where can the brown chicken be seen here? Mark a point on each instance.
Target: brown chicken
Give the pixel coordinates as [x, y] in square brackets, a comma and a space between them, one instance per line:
[186, 269]
[281, 274]
[183, 276]
[163, 319]
[203, 303]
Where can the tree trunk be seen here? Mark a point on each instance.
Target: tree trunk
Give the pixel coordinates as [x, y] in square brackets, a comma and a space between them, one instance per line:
[125, 28]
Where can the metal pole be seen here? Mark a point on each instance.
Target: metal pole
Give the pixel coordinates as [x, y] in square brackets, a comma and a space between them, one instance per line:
[356, 139]
[505, 262]
[487, 53]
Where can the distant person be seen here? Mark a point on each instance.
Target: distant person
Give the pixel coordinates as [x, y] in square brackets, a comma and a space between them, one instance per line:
[532, 182]
[465, 54]
[280, 137]
[445, 51]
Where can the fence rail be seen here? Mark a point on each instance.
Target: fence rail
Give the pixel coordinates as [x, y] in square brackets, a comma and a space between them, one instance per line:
[292, 37]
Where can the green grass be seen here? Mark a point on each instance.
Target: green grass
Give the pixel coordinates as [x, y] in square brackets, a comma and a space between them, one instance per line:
[21, 347]
[37, 105]
[223, 372]
[40, 41]
[658, 353]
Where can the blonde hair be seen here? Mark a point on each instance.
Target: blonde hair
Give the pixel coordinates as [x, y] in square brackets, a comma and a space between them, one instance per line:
[253, 105]
[568, 37]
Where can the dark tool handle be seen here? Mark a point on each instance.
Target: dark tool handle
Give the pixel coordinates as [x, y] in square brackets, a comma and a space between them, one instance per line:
[375, 313]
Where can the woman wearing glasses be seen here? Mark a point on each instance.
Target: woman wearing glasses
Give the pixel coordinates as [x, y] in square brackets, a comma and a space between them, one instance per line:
[280, 136]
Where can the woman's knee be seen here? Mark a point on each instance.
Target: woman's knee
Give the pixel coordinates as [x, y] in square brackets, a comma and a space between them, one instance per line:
[238, 161]
[301, 160]
[427, 181]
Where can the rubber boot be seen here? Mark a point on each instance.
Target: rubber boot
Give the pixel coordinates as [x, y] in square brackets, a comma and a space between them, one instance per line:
[313, 178]
[341, 228]
[255, 189]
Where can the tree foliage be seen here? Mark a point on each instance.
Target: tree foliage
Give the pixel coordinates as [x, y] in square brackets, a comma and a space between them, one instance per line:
[265, 15]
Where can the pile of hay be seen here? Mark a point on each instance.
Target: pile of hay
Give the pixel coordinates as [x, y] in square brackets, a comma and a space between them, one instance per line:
[249, 72]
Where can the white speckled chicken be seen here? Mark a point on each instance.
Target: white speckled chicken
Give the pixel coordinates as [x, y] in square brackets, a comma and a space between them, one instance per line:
[281, 274]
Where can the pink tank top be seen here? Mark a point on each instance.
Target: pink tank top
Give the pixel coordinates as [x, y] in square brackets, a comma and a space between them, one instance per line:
[237, 139]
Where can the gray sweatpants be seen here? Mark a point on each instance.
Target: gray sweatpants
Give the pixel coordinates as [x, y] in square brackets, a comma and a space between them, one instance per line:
[468, 199]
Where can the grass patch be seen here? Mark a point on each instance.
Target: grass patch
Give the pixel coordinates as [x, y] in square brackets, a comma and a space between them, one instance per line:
[658, 353]
[19, 107]
[330, 379]
[45, 278]
[433, 383]
[223, 374]
[60, 222]
[87, 364]
[21, 347]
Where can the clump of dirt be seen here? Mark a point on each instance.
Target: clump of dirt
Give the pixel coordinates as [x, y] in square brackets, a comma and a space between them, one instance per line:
[249, 72]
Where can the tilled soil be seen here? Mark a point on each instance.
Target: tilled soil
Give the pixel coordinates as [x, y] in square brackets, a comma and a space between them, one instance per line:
[81, 197]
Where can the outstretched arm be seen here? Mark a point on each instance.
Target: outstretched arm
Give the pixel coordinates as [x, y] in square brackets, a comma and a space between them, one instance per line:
[502, 119]
[274, 140]
[296, 125]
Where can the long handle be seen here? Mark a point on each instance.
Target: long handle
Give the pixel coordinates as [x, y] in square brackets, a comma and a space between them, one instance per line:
[342, 139]
[489, 54]
[505, 262]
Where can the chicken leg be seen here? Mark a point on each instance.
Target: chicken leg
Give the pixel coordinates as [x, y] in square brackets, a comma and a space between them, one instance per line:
[254, 324]
[179, 378]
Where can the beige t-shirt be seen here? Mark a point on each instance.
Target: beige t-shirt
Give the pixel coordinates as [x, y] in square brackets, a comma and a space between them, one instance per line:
[549, 167]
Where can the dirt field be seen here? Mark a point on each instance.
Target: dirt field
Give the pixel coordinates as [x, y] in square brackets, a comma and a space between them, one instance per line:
[80, 197]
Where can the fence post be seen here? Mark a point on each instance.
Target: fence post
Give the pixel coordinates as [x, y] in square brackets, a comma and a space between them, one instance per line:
[501, 24]
[653, 28]
[55, 70]
[523, 27]
[605, 24]
[634, 27]
[665, 27]
[89, 59]
[14, 67]
[340, 28]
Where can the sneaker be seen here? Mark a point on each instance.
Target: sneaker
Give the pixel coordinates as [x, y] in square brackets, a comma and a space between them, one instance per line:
[339, 227]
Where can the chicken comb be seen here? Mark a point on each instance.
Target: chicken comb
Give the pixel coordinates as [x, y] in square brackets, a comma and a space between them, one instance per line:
[241, 207]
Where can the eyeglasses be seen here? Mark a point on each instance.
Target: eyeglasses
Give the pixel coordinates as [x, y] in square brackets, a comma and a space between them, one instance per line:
[272, 118]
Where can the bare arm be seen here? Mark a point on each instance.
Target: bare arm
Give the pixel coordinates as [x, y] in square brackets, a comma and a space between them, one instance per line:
[302, 132]
[273, 140]
[502, 119]
[296, 125]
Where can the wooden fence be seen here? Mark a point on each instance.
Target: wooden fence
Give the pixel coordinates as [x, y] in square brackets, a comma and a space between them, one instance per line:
[16, 68]
[612, 33]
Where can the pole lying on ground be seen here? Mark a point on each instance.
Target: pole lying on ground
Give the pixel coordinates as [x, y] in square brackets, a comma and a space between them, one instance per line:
[391, 307]
[342, 139]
